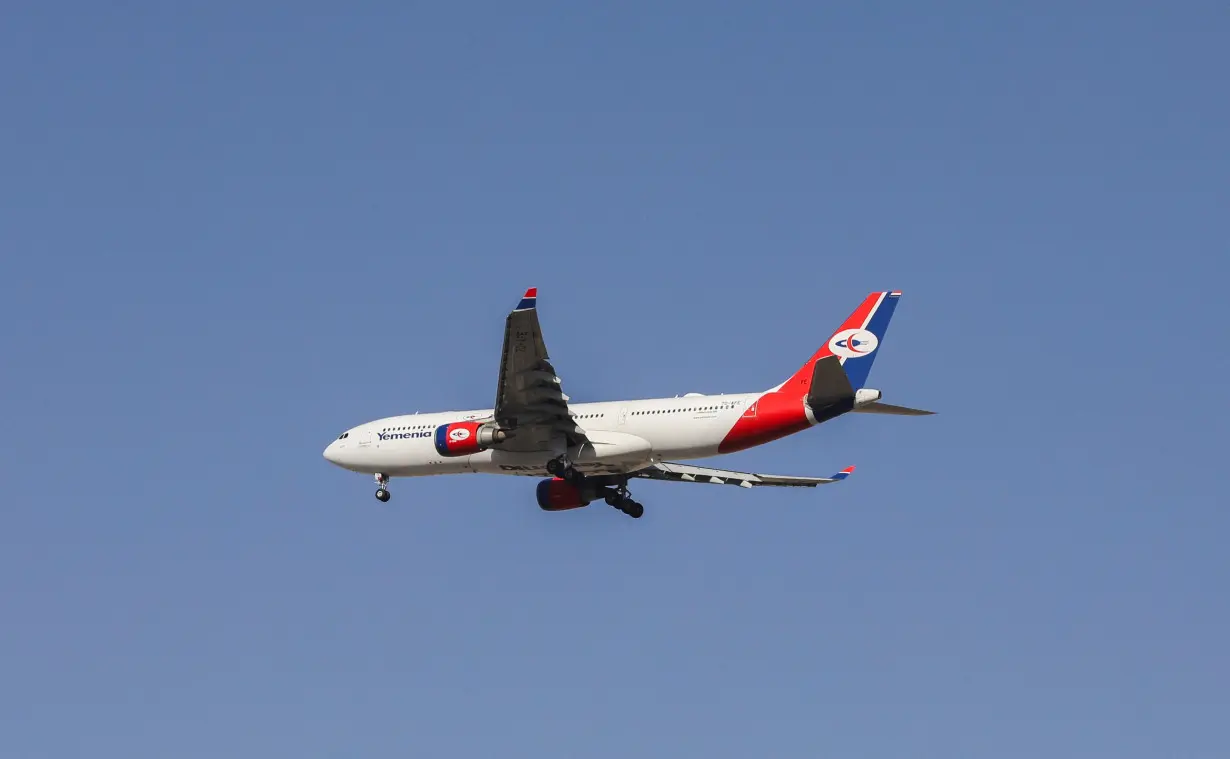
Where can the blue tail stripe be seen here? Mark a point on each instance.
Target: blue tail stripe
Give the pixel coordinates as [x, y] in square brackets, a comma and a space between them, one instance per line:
[857, 369]
[526, 303]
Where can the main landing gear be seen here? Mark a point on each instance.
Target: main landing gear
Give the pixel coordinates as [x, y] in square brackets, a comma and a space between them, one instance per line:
[617, 497]
[620, 499]
[561, 467]
[382, 494]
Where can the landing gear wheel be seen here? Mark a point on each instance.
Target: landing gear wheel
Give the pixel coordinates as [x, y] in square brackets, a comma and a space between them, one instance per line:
[555, 467]
[383, 493]
[619, 498]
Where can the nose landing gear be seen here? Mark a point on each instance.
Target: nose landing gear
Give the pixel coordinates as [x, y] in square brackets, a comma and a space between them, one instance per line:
[382, 494]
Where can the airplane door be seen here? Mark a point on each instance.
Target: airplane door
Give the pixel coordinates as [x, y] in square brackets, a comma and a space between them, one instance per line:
[365, 439]
[623, 416]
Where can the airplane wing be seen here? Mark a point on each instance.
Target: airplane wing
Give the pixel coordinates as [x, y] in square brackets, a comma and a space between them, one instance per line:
[529, 401]
[686, 473]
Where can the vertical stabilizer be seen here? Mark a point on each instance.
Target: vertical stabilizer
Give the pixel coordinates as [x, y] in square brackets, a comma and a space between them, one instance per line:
[854, 344]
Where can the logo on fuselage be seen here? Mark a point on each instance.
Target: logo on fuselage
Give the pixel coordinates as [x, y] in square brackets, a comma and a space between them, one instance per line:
[852, 343]
[403, 435]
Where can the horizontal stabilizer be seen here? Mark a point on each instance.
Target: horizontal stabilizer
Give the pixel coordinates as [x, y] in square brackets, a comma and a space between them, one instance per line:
[888, 408]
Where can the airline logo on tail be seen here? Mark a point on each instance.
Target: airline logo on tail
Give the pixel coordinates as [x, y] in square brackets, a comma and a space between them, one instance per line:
[852, 343]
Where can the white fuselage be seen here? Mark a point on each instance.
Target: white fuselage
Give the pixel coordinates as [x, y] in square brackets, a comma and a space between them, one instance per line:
[624, 436]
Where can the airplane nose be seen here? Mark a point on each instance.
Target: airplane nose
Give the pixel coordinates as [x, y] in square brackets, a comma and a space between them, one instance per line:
[331, 453]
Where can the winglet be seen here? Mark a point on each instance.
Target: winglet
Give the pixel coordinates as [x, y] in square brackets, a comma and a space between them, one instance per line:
[843, 473]
[529, 300]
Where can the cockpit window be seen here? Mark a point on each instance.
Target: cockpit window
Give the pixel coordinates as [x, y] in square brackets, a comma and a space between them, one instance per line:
[343, 436]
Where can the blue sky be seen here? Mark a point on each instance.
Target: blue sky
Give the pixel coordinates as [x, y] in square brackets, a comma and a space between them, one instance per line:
[229, 232]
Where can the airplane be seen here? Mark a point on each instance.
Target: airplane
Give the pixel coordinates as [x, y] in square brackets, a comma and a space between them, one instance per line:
[584, 452]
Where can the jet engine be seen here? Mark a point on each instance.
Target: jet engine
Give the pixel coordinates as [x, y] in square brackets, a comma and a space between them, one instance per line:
[465, 438]
[556, 494]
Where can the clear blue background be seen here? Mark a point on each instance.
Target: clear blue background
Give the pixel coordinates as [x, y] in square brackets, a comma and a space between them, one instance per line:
[230, 232]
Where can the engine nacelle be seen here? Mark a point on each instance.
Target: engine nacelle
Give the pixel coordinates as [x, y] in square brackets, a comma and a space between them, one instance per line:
[465, 438]
[556, 494]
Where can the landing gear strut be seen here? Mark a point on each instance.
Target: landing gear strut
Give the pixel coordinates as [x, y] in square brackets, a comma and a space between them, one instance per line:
[620, 499]
[561, 467]
[382, 494]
